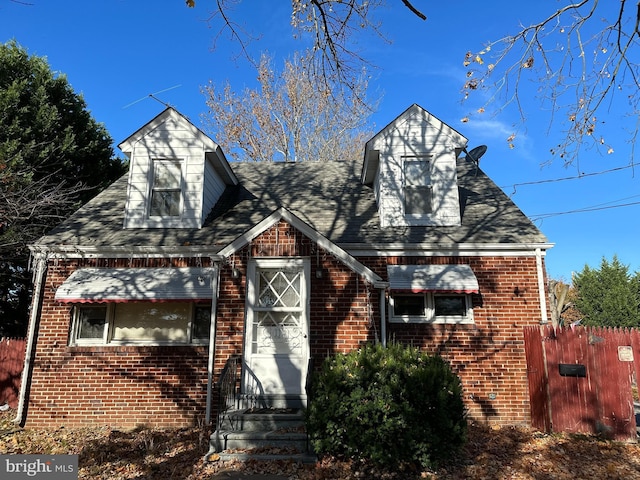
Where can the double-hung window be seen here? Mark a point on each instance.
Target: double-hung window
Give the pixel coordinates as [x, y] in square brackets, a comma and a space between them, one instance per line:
[166, 189]
[417, 186]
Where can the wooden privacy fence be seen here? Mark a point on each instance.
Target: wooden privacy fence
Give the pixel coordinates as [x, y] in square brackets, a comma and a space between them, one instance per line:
[12, 352]
[583, 380]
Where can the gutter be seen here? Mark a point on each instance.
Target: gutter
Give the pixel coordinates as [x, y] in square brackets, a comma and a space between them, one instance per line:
[444, 249]
[36, 302]
[215, 288]
[130, 251]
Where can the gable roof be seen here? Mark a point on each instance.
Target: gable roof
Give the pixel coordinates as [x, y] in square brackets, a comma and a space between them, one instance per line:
[212, 150]
[417, 115]
[327, 196]
[305, 229]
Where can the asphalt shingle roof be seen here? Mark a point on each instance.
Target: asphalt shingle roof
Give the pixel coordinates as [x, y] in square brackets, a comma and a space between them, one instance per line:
[328, 196]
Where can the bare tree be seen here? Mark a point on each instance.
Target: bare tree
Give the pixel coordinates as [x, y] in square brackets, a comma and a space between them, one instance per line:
[331, 25]
[583, 61]
[580, 61]
[28, 209]
[293, 116]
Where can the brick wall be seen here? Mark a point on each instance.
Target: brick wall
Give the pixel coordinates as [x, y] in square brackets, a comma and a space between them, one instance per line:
[489, 355]
[128, 386]
[124, 386]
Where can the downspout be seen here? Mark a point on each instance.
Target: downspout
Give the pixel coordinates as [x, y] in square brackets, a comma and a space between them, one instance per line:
[215, 290]
[383, 316]
[541, 290]
[39, 271]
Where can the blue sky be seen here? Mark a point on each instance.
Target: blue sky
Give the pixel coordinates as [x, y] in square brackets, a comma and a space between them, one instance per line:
[117, 52]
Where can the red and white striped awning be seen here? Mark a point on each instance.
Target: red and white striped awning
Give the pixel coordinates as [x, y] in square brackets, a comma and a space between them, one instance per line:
[432, 278]
[88, 285]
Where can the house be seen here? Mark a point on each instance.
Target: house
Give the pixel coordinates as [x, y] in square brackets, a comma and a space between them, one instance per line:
[145, 293]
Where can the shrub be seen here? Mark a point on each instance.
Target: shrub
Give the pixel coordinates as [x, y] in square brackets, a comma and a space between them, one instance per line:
[393, 406]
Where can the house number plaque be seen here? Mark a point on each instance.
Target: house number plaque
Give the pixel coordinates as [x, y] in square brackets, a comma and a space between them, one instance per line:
[625, 354]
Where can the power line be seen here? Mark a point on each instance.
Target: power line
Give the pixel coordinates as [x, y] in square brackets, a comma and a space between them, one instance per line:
[594, 208]
[562, 179]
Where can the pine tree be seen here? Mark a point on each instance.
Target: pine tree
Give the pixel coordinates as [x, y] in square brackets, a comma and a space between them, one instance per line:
[608, 296]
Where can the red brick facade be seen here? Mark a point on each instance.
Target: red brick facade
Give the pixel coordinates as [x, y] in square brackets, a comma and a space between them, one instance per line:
[128, 386]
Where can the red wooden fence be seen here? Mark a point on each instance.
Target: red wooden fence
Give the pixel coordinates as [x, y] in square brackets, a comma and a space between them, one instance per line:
[583, 379]
[12, 352]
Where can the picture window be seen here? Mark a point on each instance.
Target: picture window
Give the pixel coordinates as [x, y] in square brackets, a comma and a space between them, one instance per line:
[141, 322]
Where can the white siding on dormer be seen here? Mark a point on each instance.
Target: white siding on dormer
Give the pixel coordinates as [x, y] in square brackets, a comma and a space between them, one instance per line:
[213, 189]
[446, 202]
[416, 134]
[171, 137]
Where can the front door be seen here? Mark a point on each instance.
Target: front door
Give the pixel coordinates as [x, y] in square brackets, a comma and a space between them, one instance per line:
[277, 329]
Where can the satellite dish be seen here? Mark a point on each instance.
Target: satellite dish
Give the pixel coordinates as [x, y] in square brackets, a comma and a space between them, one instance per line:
[475, 154]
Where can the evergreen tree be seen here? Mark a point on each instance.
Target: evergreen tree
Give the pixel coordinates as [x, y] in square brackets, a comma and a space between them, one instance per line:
[53, 157]
[608, 296]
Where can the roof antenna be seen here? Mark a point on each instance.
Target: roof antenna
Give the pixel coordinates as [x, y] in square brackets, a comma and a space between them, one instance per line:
[152, 95]
[158, 100]
[475, 154]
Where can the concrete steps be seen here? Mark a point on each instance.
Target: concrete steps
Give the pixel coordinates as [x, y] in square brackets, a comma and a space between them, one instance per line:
[262, 434]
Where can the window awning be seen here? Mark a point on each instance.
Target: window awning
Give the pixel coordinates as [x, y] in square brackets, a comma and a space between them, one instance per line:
[88, 285]
[432, 278]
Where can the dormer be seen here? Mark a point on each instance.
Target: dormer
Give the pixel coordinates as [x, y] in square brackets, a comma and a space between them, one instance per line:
[176, 174]
[411, 164]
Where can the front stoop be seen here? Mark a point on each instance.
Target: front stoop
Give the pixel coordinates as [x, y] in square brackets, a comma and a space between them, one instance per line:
[265, 434]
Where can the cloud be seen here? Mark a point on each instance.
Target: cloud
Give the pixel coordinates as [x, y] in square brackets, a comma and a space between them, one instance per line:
[495, 132]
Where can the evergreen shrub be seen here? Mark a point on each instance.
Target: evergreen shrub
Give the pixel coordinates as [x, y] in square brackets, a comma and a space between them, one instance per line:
[394, 406]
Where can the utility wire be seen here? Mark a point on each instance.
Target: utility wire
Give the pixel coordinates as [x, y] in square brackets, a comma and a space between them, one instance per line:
[562, 179]
[593, 208]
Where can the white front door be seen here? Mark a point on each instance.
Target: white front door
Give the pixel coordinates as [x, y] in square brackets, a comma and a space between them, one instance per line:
[277, 329]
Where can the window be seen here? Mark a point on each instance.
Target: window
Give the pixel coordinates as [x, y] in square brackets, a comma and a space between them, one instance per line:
[429, 307]
[418, 190]
[141, 322]
[409, 305]
[201, 323]
[450, 305]
[91, 323]
[166, 190]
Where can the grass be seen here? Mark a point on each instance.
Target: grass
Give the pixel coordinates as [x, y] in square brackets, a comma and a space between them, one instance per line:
[490, 453]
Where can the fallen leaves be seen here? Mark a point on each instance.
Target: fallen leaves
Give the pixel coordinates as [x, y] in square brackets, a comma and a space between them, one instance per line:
[490, 453]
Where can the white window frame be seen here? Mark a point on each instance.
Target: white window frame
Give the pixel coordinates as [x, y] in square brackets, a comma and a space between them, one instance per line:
[406, 160]
[152, 187]
[430, 311]
[107, 338]
[75, 330]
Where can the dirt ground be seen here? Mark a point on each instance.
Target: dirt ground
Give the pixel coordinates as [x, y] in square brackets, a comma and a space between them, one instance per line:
[490, 453]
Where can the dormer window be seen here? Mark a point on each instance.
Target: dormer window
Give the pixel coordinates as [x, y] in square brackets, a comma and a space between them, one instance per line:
[176, 174]
[166, 189]
[418, 188]
[412, 165]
